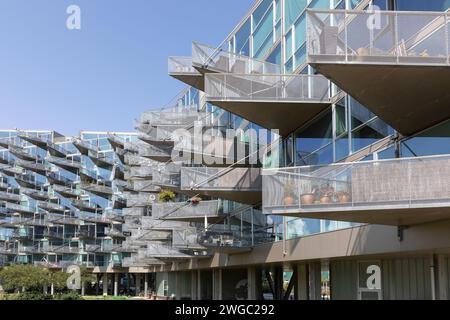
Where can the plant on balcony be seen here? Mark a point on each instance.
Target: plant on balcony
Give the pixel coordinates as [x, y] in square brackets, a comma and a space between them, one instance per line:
[195, 200]
[343, 196]
[289, 193]
[327, 194]
[310, 197]
[166, 196]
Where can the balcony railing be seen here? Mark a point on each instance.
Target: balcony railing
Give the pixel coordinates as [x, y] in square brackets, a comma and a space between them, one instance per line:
[219, 60]
[363, 187]
[381, 37]
[186, 210]
[182, 65]
[156, 152]
[274, 88]
[10, 197]
[228, 179]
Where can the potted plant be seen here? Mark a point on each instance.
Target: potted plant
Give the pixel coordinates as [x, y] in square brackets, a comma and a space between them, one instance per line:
[344, 196]
[326, 194]
[289, 194]
[309, 198]
[195, 200]
[166, 196]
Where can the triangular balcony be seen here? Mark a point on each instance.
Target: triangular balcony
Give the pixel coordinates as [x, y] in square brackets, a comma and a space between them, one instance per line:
[396, 63]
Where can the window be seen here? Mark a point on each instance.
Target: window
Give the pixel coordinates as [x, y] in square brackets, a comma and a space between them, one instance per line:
[433, 141]
[421, 5]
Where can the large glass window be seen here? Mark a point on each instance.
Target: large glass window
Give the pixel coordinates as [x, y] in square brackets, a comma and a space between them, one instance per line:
[314, 143]
[433, 141]
[421, 5]
[369, 134]
[293, 9]
[243, 39]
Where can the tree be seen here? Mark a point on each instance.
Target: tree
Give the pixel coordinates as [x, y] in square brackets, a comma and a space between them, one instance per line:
[23, 277]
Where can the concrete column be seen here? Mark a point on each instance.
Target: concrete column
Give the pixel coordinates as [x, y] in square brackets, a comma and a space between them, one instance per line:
[116, 284]
[178, 280]
[278, 282]
[217, 284]
[138, 284]
[301, 285]
[194, 283]
[199, 285]
[52, 289]
[83, 288]
[146, 285]
[128, 283]
[254, 285]
[315, 285]
[105, 284]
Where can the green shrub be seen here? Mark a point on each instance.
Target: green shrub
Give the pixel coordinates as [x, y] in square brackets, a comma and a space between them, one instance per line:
[67, 296]
[33, 296]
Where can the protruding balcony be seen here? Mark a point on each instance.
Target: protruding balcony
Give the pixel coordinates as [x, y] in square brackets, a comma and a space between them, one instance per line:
[157, 153]
[207, 59]
[29, 181]
[70, 165]
[84, 147]
[70, 193]
[38, 167]
[166, 253]
[84, 205]
[130, 262]
[173, 116]
[225, 241]
[394, 63]
[57, 150]
[181, 69]
[114, 233]
[102, 190]
[143, 186]
[273, 101]
[20, 209]
[116, 141]
[10, 197]
[58, 179]
[52, 207]
[36, 194]
[141, 199]
[35, 140]
[188, 211]
[242, 185]
[393, 192]
[63, 220]
[21, 153]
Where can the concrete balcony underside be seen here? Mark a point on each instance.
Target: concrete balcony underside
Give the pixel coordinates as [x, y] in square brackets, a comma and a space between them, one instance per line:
[408, 98]
[285, 116]
[196, 80]
[400, 192]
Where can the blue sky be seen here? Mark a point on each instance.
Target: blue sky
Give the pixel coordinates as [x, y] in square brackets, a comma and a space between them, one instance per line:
[104, 75]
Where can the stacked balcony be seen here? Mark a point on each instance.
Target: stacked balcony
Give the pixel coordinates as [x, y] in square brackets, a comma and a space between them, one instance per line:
[37, 167]
[70, 165]
[10, 197]
[241, 185]
[181, 68]
[395, 63]
[188, 211]
[398, 192]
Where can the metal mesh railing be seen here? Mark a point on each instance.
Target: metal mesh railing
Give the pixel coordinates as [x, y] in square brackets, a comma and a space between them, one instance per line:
[378, 37]
[292, 88]
[401, 183]
[172, 210]
[220, 60]
[181, 65]
[204, 178]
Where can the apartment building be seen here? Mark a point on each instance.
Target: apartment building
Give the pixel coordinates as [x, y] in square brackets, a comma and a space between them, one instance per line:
[351, 198]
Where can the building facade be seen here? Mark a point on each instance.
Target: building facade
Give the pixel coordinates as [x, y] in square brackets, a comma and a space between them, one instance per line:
[347, 199]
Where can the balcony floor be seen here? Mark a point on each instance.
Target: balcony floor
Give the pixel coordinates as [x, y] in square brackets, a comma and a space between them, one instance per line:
[285, 116]
[194, 80]
[253, 197]
[408, 98]
[396, 215]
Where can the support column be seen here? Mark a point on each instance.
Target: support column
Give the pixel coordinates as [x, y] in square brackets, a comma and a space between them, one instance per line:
[146, 285]
[301, 287]
[128, 283]
[178, 280]
[254, 285]
[315, 285]
[116, 284]
[199, 285]
[217, 284]
[278, 283]
[105, 284]
[194, 283]
[138, 284]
